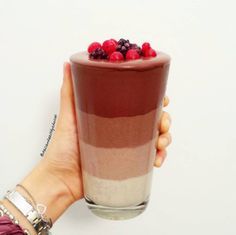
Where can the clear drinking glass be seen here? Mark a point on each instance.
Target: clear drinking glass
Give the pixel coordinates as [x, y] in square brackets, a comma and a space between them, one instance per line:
[118, 107]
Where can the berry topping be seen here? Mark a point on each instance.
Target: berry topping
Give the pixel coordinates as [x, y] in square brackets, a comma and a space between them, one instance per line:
[98, 53]
[109, 46]
[146, 46]
[116, 56]
[132, 54]
[137, 48]
[93, 46]
[114, 40]
[120, 50]
[123, 46]
[150, 53]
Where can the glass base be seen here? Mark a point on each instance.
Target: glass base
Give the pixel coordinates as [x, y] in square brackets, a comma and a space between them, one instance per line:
[116, 213]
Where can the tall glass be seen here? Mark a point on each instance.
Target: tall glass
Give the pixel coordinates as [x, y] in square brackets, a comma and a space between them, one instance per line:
[118, 107]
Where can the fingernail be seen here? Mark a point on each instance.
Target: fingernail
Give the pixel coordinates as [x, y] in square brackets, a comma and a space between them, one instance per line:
[64, 71]
[158, 161]
[165, 141]
[64, 67]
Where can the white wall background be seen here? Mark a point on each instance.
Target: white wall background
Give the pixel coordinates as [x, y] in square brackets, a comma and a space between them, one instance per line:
[195, 191]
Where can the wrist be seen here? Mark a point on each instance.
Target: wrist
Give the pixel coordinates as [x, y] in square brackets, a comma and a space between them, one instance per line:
[48, 189]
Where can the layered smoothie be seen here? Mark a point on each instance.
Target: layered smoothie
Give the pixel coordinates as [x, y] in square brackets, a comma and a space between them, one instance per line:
[118, 107]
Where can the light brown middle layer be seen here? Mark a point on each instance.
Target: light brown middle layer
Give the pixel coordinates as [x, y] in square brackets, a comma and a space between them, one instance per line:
[118, 132]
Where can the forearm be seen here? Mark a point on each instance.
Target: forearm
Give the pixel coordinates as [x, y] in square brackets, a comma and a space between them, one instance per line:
[47, 189]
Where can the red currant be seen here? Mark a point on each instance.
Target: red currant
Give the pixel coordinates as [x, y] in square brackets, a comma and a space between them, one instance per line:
[146, 46]
[150, 53]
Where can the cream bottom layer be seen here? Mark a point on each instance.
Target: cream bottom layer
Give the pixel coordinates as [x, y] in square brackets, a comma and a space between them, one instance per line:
[117, 193]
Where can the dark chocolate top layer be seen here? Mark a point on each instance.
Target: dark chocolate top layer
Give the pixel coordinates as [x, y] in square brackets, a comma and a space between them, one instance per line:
[82, 58]
[120, 89]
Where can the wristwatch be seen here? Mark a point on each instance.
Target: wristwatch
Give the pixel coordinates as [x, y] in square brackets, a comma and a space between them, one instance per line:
[24, 206]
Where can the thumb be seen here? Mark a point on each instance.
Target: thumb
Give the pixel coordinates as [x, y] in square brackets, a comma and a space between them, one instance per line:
[67, 116]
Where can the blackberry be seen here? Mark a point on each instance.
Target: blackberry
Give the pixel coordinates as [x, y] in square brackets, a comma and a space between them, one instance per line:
[98, 53]
[123, 46]
[137, 48]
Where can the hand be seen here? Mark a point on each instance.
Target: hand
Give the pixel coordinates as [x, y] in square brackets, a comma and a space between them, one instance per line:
[56, 181]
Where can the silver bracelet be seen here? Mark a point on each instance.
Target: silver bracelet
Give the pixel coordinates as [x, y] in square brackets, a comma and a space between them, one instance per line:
[4, 211]
[24, 206]
[39, 207]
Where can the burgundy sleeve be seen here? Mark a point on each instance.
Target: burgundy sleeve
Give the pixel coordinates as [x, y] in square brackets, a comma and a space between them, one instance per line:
[7, 227]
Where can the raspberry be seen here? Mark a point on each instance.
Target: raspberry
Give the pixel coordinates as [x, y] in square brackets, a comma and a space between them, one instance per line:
[98, 53]
[114, 40]
[146, 46]
[150, 53]
[116, 56]
[132, 54]
[93, 46]
[109, 46]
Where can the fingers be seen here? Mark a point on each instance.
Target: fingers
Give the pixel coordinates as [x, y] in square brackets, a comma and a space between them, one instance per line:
[160, 158]
[163, 141]
[166, 101]
[165, 122]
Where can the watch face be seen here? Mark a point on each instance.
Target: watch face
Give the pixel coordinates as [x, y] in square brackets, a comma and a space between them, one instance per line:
[20, 202]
